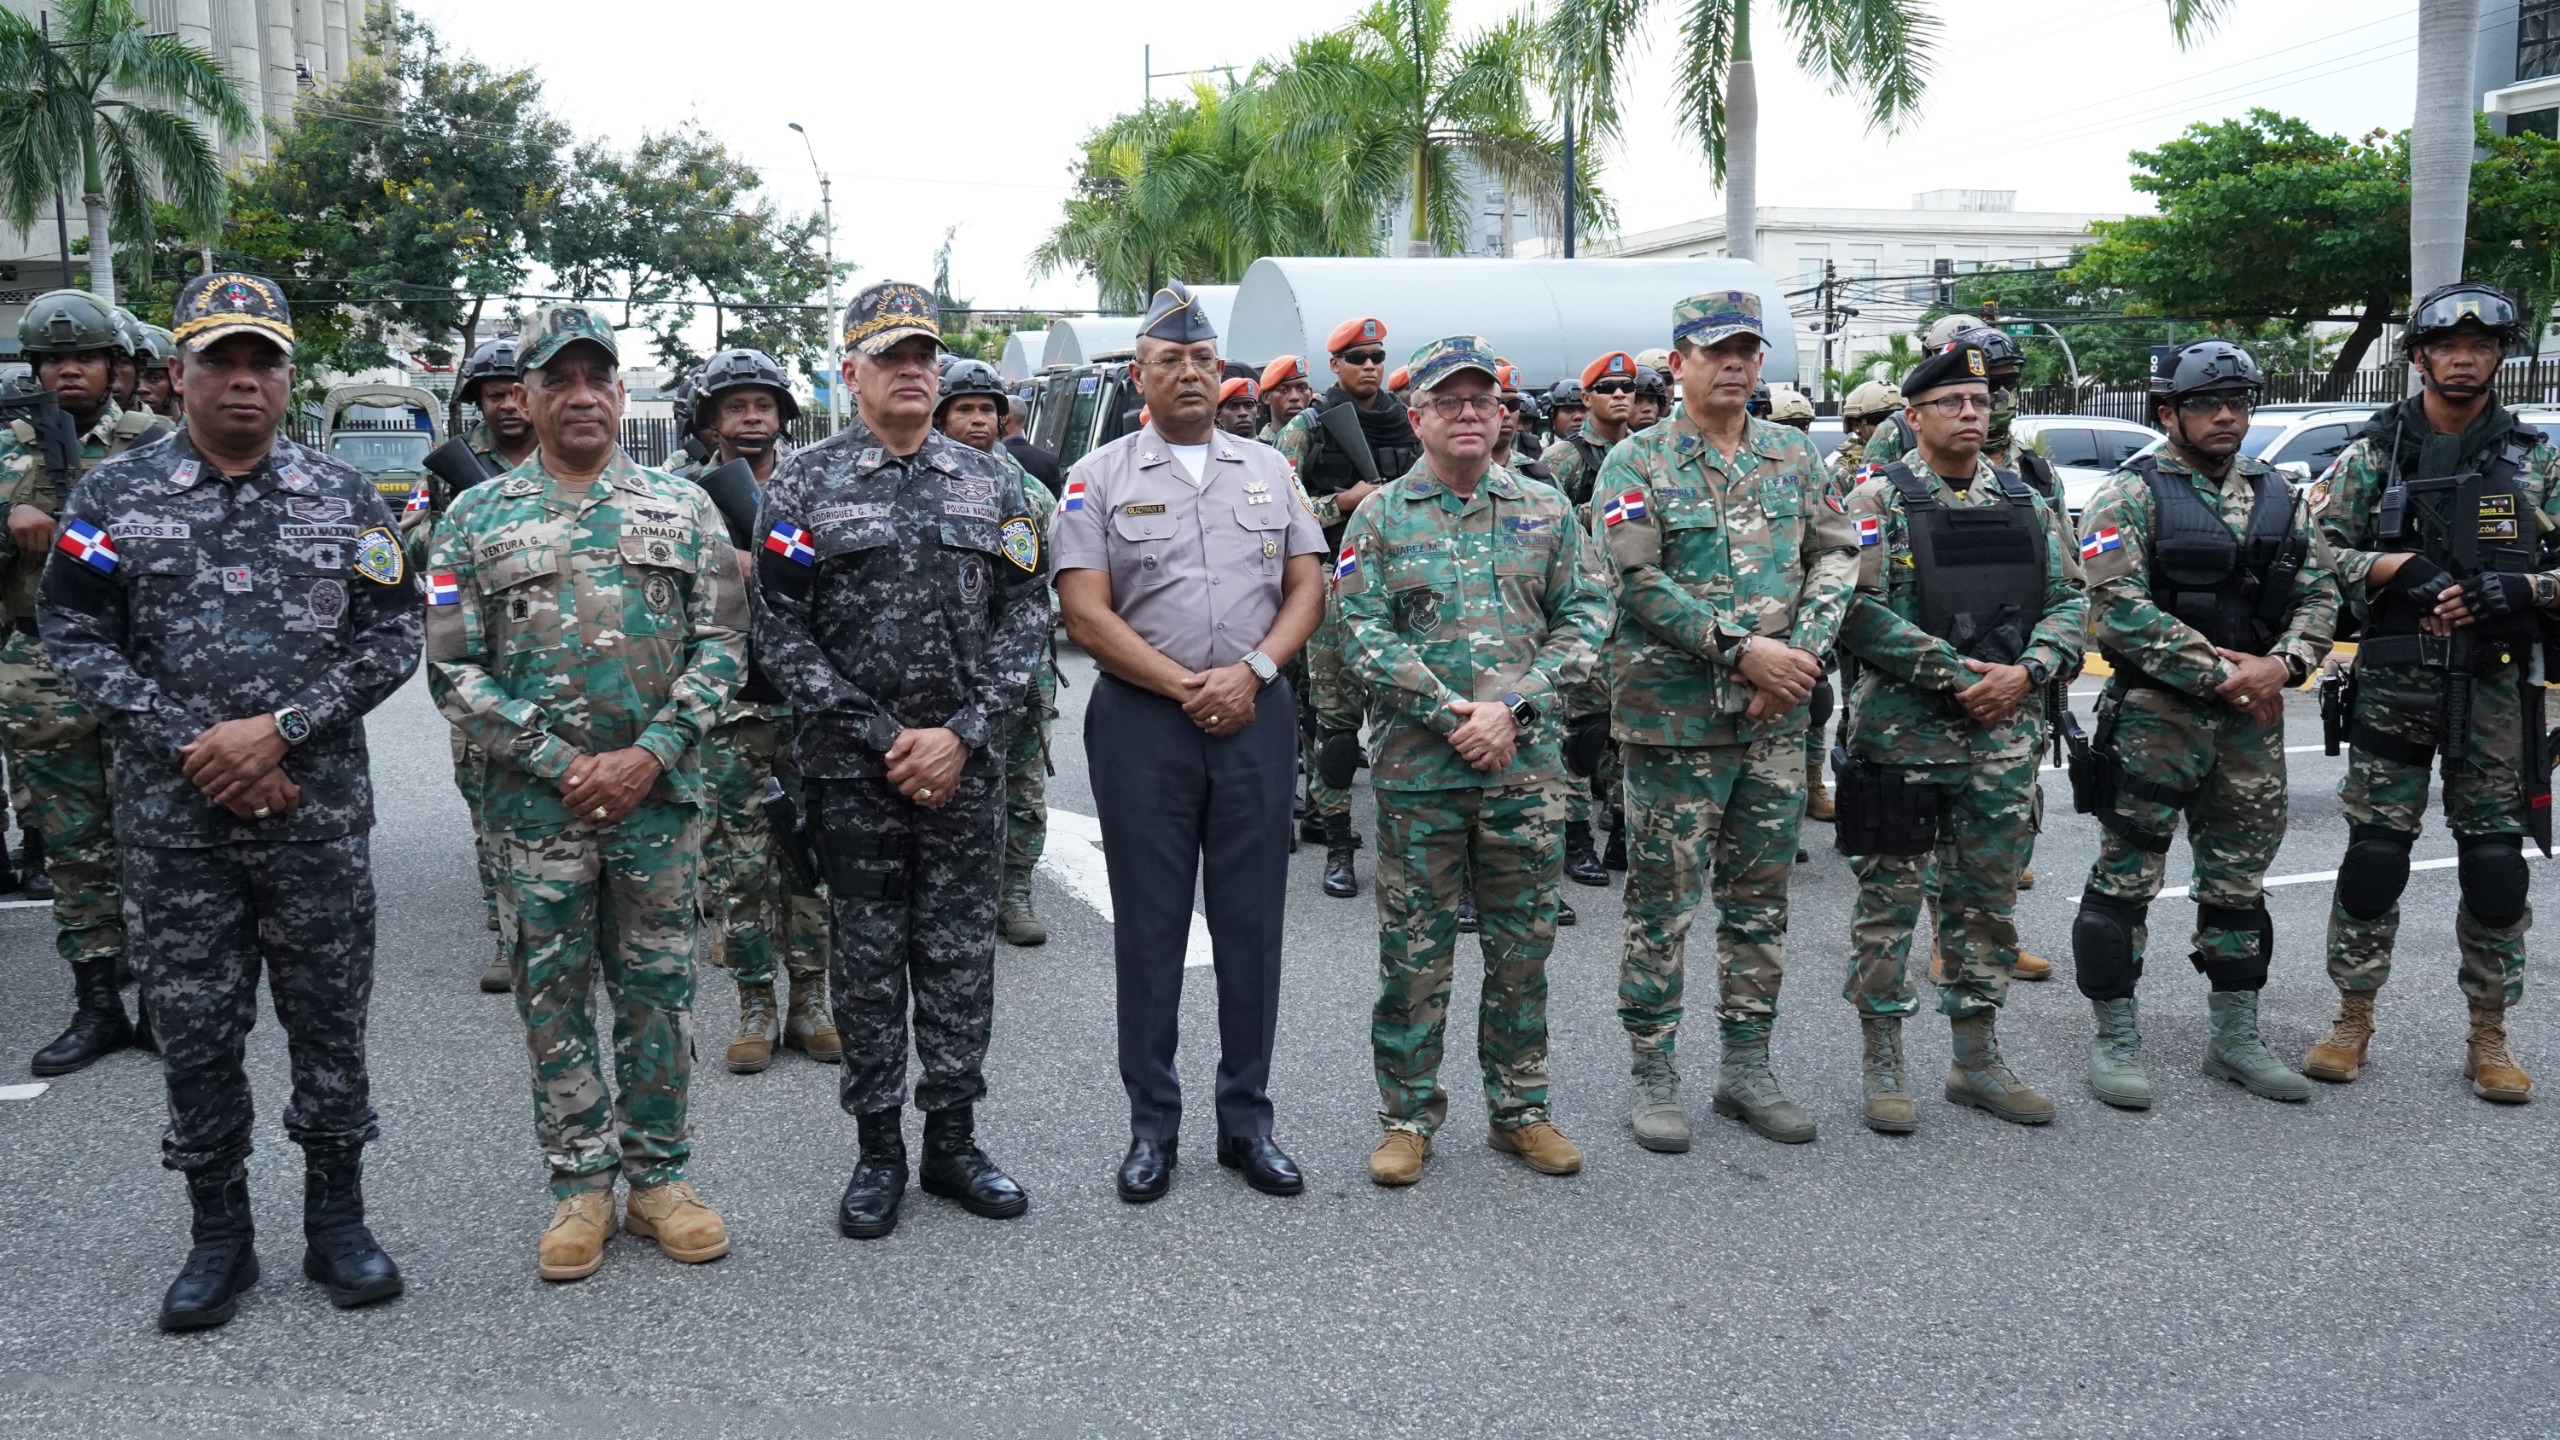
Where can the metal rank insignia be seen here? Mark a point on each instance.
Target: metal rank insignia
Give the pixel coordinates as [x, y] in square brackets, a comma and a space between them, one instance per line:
[1257, 492]
[1270, 549]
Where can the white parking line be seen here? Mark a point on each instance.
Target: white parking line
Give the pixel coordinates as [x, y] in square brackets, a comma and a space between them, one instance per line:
[2322, 877]
[22, 904]
[1078, 865]
[23, 1092]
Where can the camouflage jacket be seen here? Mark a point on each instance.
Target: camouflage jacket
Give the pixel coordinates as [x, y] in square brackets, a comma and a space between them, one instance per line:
[1902, 711]
[1840, 472]
[1575, 461]
[2116, 561]
[1445, 599]
[178, 598]
[24, 481]
[567, 620]
[1293, 442]
[897, 593]
[2349, 497]
[1044, 680]
[1702, 550]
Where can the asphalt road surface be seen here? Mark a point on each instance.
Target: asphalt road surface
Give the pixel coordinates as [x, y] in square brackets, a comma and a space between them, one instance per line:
[2377, 1262]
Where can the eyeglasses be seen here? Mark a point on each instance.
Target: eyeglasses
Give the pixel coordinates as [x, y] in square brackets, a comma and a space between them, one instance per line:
[1954, 405]
[1362, 357]
[1611, 387]
[2206, 406]
[1176, 364]
[1450, 407]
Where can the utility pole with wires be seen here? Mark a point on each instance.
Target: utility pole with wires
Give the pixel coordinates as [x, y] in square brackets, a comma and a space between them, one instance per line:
[1147, 87]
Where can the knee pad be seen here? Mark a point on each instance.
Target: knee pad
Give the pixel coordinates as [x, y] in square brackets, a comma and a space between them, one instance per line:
[2224, 974]
[2494, 878]
[1823, 701]
[2104, 959]
[2376, 870]
[1338, 758]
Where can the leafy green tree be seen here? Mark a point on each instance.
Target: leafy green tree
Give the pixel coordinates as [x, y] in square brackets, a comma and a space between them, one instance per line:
[101, 105]
[2514, 226]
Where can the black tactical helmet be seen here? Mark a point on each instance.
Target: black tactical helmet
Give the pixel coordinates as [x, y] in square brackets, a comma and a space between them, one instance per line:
[2204, 366]
[738, 369]
[70, 322]
[2000, 350]
[157, 348]
[1565, 394]
[1758, 404]
[1650, 381]
[2448, 308]
[494, 360]
[681, 397]
[971, 377]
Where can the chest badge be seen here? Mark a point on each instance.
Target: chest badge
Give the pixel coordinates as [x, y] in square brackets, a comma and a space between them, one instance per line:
[661, 591]
[379, 558]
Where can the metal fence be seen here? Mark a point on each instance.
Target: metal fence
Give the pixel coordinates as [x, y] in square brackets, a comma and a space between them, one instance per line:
[2521, 382]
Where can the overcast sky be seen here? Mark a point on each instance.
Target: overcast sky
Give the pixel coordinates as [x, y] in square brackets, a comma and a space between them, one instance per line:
[932, 115]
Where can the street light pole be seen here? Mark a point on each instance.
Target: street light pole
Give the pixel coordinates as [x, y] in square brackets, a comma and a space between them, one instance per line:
[835, 321]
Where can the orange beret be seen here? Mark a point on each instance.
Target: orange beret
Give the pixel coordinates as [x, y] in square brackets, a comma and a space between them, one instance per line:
[1355, 332]
[1239, 388]
[1283, 370]
[1504, 376]
[1616, 362]
[1399, 380]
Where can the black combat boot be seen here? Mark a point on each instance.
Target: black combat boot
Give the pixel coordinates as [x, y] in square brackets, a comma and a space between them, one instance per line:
[32, 881]
[956, 1169]
[224, 1261]
[98, 1026]
[1581, 859]
[1564, 913]
[1341, 877]
[870, 1208]
[1615, 857]
[1469, 920]
[143, 1039]
[342, 1257]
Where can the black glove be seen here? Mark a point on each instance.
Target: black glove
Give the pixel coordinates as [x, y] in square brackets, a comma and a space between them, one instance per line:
[1585, 736]
[2498, 592]
[2421, 579]
[1338, 758]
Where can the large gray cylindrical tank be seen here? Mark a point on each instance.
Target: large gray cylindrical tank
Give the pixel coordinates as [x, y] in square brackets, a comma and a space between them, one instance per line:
[1549, 318]
[1022, 351]
[1077, 340]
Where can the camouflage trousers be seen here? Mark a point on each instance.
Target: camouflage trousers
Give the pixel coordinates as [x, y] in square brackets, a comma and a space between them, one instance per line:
[471, 777]
[2234, 825]
[1984, 824]
[205, 921]
[577, 902]
[750, 895]
[1429, 842]
[911, 910]
[1720, 816]
[2481, 797]
[58, 761]
[1026, 779]
[1339, 700]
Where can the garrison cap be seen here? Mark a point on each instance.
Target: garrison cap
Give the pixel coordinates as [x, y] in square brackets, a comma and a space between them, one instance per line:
[1442, 358]
[555, 328]
[1368, 329]
[230, 302]
[1715, 317]
[1957, 364]
[1283, 370]
[1238, 388]
[1616, 365]
[886, 312]
[1176, 315]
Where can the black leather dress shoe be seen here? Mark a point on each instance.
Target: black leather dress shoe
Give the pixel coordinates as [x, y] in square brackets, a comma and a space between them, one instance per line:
[1146, 1172]
[1266, 1166]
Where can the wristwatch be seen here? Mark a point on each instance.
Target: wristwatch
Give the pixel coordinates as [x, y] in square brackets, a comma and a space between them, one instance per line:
[1523, 714]
[2037, 674]
[293, 725]
[1733, 656]
[1261, 666]
[2546, 592]
[2296, 669]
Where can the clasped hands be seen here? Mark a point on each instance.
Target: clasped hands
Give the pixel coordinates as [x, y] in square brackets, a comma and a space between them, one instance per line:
[1221, 701]
[238, 764]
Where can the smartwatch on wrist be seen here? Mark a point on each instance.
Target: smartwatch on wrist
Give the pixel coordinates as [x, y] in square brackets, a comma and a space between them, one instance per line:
[292, 725]
[2037, 674]
[1523, 714]
[1261, 666]
[2296, 669]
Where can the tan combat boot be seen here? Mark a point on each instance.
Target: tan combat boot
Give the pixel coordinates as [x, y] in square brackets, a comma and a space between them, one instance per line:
[498, 977]
[2339, 1057]
[2033, 967]
[1014, 918]
[573, 1246]
[751, 1050]
[2487, 1063]
[811, 1030]
[1540, 1146]
[1817, 795]
[1888, 1109]
[675, 1217]
[1398, 1158]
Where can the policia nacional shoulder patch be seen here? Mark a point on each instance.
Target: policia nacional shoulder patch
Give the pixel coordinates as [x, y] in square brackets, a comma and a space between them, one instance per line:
[379, 557]
[1021, 541]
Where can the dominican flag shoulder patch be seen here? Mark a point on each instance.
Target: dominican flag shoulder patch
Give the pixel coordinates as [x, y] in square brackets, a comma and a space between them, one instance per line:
[1347, 564]
[417, 501]
[89, 545]
[2100, 542]
[1622, 508]
[443, 589]
[791, 543]
[1073, 499]
[1870, 531]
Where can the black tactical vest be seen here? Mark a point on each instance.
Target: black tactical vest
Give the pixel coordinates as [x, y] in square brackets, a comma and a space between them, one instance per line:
[1328, 469]
[2471, 523]
[2237, 590]
[2037, 471]
[1980, 569]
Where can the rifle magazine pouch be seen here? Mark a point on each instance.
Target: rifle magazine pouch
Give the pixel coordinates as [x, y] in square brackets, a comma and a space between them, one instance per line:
[1879, 811]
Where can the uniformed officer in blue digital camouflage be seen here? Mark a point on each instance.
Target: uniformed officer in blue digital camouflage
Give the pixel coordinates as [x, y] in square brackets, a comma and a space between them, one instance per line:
[231, 605]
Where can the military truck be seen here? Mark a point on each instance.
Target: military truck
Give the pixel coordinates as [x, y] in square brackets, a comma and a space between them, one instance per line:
[386, 431]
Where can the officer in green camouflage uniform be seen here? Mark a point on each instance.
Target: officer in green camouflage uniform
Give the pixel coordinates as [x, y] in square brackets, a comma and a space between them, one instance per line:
[1731, 577]
[584, 625]
[2209, 594]
[1945, 728]
[2420, 557]
[57, 755]
[1608, 394]
[1469, 597]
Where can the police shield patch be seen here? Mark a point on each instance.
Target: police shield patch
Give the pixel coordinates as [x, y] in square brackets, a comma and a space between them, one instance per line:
[1022, 545]
[378, 557]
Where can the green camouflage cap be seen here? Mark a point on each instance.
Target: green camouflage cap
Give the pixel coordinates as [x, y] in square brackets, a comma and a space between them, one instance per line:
[555, 328]
[888, 312]
[1444, 357]
[1717, 316]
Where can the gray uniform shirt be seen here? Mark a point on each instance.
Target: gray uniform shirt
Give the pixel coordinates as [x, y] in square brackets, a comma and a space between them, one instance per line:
[1195, 570]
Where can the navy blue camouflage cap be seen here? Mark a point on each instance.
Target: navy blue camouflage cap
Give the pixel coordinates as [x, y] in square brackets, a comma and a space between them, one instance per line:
[1433, 364]
[887, 312]
[1176, 315]
[230, 302]
[1716, 316]
[555, 328]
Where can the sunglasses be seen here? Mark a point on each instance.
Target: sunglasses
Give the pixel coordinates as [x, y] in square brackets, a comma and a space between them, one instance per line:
[1611, 387]
[1362, 357]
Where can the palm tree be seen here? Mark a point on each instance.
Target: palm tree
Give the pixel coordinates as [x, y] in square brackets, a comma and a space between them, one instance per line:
[92, 103]
[1394, 103]
[1880, 50]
